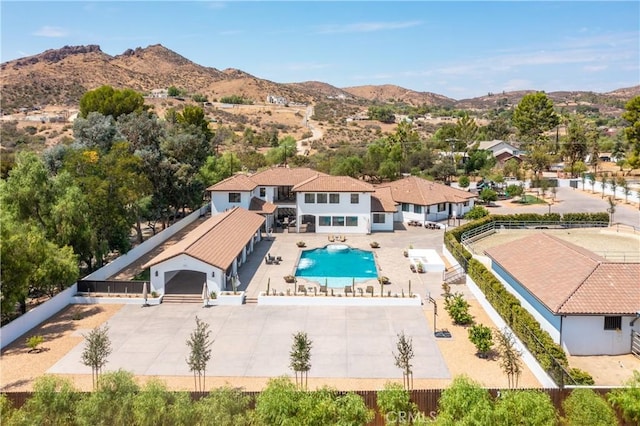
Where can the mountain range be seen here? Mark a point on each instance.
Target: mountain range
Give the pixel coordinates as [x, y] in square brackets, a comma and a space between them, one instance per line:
[61, 76]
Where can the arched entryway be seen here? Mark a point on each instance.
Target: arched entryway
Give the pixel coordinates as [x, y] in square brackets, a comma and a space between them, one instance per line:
[184, 282]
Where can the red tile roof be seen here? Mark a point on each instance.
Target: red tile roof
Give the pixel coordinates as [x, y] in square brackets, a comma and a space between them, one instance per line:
[382, 201]
[218, 240]
[261, 206]
[284, 176]
[569, 279]
[239, 182]
[326, 183]
[415, 190]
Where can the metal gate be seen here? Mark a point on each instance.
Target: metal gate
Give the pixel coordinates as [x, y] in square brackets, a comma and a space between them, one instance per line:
[635, 343]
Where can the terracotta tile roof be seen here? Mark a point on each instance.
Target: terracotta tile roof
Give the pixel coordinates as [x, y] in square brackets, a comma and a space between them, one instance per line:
[612, 289]
[326, 183]
[415, 190]
[239, 182]
[569, 279]
[284, 176]
[261, 206]
[382, 201]
[218, 240]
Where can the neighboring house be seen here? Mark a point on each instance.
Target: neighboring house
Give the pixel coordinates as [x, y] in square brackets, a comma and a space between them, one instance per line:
[312, 201]
[497, 147]
[278, 100]
[211, 253]
[422, 200]
[589, 306]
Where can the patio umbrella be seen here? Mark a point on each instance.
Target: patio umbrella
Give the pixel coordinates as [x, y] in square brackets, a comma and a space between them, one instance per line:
[145, 294]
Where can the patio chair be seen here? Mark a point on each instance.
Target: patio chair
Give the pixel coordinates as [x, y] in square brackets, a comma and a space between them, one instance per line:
[343, 238]
[369, 289]
[412, 267]
[323, 289]
[268, 261]
[302, 289]
[331, 238]
[347, 289]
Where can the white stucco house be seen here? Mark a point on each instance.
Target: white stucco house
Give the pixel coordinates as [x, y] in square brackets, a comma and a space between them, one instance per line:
[425, 201]
[211, 253]
[588, 305]
[312, 201]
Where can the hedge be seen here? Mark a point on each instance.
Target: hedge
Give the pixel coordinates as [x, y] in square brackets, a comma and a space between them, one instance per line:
[549, 354]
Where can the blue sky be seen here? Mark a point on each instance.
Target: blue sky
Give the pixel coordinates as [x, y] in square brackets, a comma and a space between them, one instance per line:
[457, 49]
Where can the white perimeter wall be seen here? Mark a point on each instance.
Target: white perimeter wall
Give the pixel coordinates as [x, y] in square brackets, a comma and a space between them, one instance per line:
[32, 318]
[585, 335]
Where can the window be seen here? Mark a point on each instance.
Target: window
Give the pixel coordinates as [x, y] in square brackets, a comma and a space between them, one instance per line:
[321, 198]
[234, 197]
[466, 204]
[352, 220]
[355, 198]
[417, 208]
[338, 220]
[263, 192]
[324, 221]
[612, 323]
[442, 207]
[379, 218]
[405, 207]
[309, 198]
[334, 198]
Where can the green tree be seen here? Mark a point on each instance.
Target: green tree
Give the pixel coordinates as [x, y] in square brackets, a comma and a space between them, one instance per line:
[458, 309]
[463, 182]
[383, 114]
[300, 357]
[575, 147]
[395, 405]
[498, 129]
[488, 195]
[157, 405]
[347, 166]
[627, 399]
[52, 403]
[481, 336]
[511, 168]
[465, 402]
[225, 406]
[109, 101]
[6, 410]
[525, 407]
[403, 358]
[632, 130]
[476, 212]
[199, 344]
[585, 407]
[216, 169]
[466, 130]
[194, 120]
[173, 91]
[279, 402]
[96, 351]
[534, 116]
[478, 160]
[96, 131]
[112, 403]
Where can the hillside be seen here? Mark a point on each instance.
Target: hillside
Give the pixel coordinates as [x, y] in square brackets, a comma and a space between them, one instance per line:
[59, 77]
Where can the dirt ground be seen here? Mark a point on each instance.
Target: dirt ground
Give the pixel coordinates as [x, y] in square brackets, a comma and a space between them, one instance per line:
[19, 368]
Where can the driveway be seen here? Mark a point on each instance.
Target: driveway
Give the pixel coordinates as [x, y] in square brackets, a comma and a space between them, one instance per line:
[254, 341]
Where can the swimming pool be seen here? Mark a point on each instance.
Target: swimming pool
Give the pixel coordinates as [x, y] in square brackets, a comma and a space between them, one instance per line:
[337, 265]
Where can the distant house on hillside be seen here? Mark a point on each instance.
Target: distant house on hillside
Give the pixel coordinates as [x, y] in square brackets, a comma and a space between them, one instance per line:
[278, 100]
[159, 93]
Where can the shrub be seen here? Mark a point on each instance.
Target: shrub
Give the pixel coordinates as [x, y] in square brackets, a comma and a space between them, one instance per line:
[394, 399]
[33, 342]
[581, 377]
[525, 407]
[480, 336]
[627, 399]
[463, 182]
[477, 212]
[458, 309]
[465, 402]
[585, 407]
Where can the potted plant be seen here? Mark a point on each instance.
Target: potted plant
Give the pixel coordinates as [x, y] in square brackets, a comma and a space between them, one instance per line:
[383, 280]
[300, 244]
[420, 267]
[374, 244]
[213, 295]
[289, 279]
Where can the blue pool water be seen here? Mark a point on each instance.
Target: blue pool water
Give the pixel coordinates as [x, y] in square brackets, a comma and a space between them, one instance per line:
[337, 265]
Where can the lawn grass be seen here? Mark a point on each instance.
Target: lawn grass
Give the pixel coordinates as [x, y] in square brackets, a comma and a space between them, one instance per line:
[529, 199]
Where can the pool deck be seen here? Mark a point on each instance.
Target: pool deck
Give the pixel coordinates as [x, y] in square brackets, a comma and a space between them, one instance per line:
[255, 273]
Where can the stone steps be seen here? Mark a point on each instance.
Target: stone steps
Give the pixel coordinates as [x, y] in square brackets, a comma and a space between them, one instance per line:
[182, 298]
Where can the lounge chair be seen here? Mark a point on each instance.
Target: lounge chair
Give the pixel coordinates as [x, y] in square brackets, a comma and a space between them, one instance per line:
[302, 289]
[331, 238]
[323, 289]
[412, 267]
[268, 261]
[347, 289]
[342, 238]
[369, 289]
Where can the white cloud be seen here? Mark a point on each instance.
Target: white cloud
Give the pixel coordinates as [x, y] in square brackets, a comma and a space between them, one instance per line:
[49, 31]
[595, 68]
[366, 27]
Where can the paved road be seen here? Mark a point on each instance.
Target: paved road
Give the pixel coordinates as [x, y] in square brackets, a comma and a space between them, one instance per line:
[569, 200]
